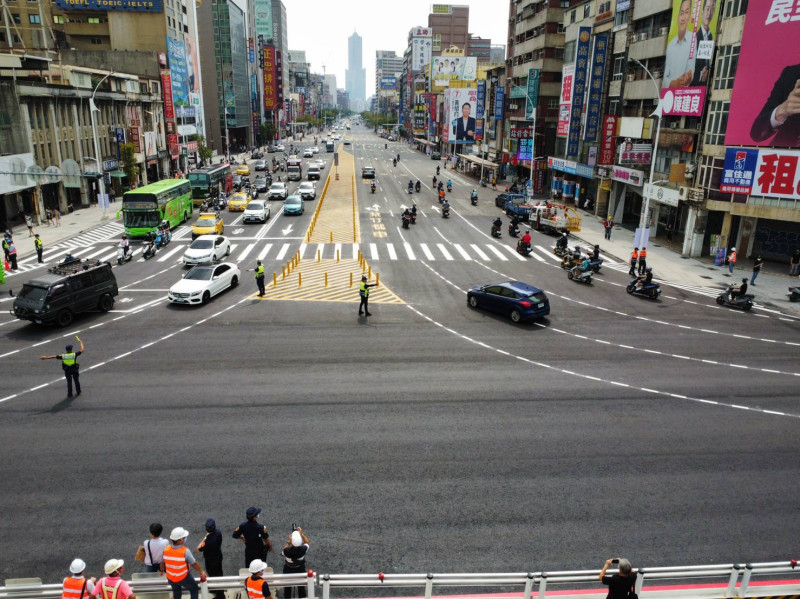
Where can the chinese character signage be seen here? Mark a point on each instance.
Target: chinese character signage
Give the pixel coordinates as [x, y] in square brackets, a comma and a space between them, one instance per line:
[525, 150]
[599, 59]
[564, 103]
[627, 175]
[166, 90]
[454, 68]
[419, 119]
[766, 78]
[765, 172]
[499, 102]
[388, 83]
[578, 91]
[251, 50]
[112, 5]
[631, 153]
[690, 49]
[176, 51]
[520, 133]
[609, 135]
[532, 97]
[421, 44]
[270, 80]
[480, 109]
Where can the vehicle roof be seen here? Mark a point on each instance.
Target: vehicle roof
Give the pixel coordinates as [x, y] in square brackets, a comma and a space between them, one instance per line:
[520, 286]
[278, 184]
[210, 237]
[207, 215]
[294, 197]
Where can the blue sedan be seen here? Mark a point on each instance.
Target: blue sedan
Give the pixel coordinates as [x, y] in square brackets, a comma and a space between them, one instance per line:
[515, 299]
[293, 205]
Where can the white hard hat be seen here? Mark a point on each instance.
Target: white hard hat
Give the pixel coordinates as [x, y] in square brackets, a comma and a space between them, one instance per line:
[113, 565]
[257, 566]
[77, 566]
[297, 540]
[178, 533]
[733, 249]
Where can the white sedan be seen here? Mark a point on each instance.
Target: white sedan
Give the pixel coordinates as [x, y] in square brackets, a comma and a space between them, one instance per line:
[202, 283]
[307, 153]
[206, 249]
[307, 191]
[315, 149]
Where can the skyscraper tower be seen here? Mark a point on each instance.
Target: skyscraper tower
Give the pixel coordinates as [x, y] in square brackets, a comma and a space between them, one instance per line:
[356, 74]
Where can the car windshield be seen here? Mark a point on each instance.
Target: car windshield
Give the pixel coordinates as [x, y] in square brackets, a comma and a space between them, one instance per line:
[201, 244]
[255, 206]
[238, 198]
[276, 188]
[205, 222]
[200, 273]
[293, 200]
[32, 293]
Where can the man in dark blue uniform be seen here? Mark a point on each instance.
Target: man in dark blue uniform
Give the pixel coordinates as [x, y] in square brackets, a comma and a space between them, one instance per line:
[254, 536]
[69, 362]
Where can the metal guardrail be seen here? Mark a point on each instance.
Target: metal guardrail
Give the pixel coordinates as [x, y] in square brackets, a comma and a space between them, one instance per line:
[738, 578]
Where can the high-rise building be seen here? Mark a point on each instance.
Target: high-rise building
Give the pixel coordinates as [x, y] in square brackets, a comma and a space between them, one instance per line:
[280, 35]
[388, 78]
[356, 74]
[226, 87]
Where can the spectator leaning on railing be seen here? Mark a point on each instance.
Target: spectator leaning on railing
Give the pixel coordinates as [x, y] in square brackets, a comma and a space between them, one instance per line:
[621, 584]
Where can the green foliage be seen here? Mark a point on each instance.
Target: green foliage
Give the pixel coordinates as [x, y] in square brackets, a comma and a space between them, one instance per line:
[205, 152]
[128, 159]
[267, 132]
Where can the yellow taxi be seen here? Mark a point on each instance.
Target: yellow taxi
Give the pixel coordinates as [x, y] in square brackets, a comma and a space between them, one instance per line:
[243, 170]
[208, 223]
[238, 201]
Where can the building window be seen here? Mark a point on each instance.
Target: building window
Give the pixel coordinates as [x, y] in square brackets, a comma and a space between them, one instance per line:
[96, 41]
[572, 16]
[587, 11]
[735, 8]
[725, 68]
[619, 68]
[621, 18]
[717, 123]
[15, 16]
[2, 37]
[552, 103]
[58, 19]
[613, 107]
[94, 20]
[35, 19]
[569, 52]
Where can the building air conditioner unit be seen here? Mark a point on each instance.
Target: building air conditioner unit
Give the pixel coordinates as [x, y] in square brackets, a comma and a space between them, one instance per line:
[663, 31]
[630, 77]
[673, 125]
[643, 36]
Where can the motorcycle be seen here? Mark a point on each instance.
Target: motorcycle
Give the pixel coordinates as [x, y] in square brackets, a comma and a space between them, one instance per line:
[474, 199]
[437, 170]
[406, 221]
[449, 187]
[123, 256]
[513, 230]
[745, 302]
[372, 187]
[653, 290]
[163, 238]
[149, 251]
[394, 161]
[446, 212]
[595, 264]
[570, 260]
[496, 231]
[417, 187]
[560, 251]
[576, 273]
[413, 218]
[484, 182]
[794, 294]
[524, 248]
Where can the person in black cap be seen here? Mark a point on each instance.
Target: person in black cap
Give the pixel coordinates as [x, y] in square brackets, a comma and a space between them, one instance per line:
[69, 362]
[254, 536]
[259, 270]
[211, 548]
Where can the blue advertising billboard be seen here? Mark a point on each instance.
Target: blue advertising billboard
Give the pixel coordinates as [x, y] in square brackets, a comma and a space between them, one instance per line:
[599, 59]
[739, 170]
[388, 83]
[480, 109]
[578, 91]
[499, 101]
[115, 5]
[176, 52]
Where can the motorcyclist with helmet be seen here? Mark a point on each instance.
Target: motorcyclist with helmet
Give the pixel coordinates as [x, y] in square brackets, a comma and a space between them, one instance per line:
[474, 195]
[418, 186]
[525, 242]
[647, 278]
[596, 253]
[125, 244]
[497, 224]
[739, 291]
[410, 187]
[562, 241]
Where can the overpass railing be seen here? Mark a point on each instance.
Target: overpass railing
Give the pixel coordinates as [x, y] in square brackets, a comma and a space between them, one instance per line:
[723, 581]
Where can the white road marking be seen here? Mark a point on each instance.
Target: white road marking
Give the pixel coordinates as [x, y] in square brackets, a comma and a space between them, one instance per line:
[479, 251]
[282, 251]
[461, 251]
[447, 255]
[428, 254]
[392, 253]
[244, 253]
[262, 254]
[172, 252]
[409, 251]
[302, 250]
[373, 250]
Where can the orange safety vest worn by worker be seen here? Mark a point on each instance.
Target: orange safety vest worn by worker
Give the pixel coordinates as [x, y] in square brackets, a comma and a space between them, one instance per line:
[732, 258]
[74, 588]
[255, 588]
[175, 563]
[634, 256]
[642, 254]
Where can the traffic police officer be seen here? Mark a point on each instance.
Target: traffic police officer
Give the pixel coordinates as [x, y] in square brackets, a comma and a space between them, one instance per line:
[39, 245]
[634, 259]
[254, 536]
[363, 291]
[259, 270]
[69, 362]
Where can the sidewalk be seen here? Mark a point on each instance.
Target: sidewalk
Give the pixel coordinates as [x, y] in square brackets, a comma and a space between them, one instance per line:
[668, 265]
[72, 225]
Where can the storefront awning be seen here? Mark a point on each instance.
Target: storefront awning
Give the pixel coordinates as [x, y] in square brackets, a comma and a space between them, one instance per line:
[424, 142]
[478, 160]
[118, 174]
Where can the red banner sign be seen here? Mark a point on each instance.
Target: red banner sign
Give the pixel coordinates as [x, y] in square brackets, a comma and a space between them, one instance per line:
[270, 79]
[166, 90]
[609, 135]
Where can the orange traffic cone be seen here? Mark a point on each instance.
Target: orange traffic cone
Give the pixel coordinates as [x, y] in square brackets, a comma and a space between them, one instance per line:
[6, 265]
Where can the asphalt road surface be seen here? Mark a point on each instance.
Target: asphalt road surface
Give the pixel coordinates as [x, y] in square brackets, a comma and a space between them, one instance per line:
[429, 437]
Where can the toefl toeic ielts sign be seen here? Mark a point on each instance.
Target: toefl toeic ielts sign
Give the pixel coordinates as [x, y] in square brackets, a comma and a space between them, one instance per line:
[129, 5]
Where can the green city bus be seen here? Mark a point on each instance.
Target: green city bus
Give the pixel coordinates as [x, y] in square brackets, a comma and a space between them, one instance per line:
[145, 207]
[208, 182]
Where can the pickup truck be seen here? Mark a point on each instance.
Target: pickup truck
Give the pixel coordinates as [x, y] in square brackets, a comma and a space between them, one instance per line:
[515, 206]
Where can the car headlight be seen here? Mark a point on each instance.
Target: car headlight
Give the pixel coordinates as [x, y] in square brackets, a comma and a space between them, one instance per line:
[196, 293]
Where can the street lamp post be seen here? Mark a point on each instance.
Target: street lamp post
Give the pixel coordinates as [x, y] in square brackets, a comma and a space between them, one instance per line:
[643, 219]
[92, 109]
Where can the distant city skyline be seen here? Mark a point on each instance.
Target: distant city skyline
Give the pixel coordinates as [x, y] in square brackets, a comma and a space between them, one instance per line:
[355, 75]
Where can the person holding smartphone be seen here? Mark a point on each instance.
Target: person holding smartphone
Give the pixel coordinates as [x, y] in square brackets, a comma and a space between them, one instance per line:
[621, 584]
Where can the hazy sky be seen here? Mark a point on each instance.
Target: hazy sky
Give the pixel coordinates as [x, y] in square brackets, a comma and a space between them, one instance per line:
[321, 28]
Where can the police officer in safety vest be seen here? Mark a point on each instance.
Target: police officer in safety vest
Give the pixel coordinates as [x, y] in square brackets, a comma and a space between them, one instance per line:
[363, 291]
[69, 362]
[634, 259]
[39, 246]
[176, 562]
[259, 270]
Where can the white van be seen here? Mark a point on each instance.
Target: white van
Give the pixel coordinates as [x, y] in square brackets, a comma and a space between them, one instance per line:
[313, 173]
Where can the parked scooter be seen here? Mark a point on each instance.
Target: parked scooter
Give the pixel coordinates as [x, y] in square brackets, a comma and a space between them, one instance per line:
[576, 273]
[744, 302]
[794, 294]
[653, 290]
[122, 255]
